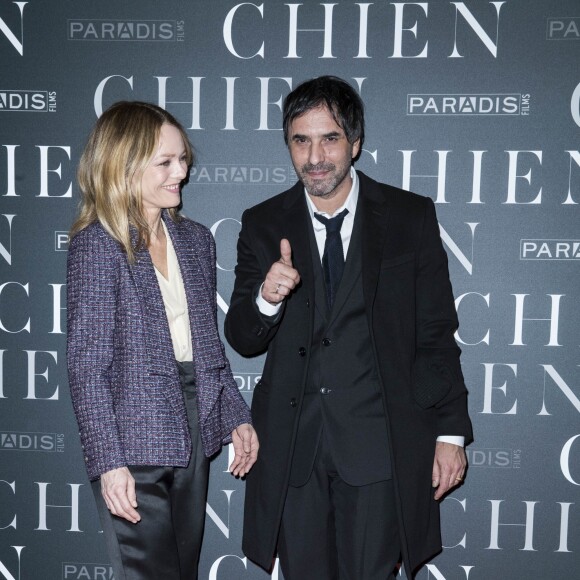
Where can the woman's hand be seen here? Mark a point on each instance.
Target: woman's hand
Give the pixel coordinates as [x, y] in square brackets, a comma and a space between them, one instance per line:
[245, 441]
[118, 490]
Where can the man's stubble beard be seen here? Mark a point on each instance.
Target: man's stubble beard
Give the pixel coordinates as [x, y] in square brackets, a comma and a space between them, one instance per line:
[323, 188]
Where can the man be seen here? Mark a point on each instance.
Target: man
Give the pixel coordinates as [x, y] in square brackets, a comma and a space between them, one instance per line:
[361, 409]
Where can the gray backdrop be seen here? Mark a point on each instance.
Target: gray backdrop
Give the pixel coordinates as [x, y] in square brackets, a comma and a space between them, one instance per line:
[474, 103]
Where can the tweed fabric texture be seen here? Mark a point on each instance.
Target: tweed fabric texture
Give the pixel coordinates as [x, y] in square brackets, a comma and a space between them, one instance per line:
[123, 377]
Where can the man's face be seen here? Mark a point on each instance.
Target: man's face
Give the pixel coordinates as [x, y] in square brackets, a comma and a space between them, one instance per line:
[321, 154]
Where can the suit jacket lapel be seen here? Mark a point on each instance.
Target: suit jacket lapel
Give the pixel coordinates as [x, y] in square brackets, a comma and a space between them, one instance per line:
[295, 221]
[368, 240]
[319, 286]
[352, 268]
[374, 220]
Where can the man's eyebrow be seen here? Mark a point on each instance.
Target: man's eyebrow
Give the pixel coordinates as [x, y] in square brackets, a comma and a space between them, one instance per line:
[325, 135]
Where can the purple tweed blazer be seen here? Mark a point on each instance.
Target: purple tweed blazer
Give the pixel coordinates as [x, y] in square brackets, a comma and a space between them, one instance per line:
[122, 373]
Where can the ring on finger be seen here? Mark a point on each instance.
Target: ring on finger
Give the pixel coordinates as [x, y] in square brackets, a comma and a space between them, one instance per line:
[277, 288]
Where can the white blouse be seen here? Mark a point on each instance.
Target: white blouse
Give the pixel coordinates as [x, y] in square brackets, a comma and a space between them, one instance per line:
[173, 293]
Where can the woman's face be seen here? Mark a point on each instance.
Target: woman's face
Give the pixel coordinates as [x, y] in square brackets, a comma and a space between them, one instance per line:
[162, 178]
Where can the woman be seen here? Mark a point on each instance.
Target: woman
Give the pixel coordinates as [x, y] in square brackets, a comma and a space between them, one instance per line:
[151, 387]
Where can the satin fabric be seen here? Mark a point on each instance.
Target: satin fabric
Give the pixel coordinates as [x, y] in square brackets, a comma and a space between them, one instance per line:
[166, 543]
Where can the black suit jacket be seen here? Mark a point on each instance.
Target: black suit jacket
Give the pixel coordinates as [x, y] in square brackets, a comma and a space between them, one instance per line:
[343, 392]
[411, 315]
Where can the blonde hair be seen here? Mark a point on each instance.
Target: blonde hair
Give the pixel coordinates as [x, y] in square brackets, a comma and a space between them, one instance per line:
[118, 150]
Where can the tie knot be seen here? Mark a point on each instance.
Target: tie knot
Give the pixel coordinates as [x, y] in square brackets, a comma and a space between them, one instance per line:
[332, 224]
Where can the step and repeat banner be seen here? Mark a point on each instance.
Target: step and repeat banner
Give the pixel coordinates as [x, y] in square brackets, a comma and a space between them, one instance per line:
[473, 103]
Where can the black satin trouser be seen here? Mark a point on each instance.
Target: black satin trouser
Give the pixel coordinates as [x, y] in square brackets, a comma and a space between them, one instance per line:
[166, 543]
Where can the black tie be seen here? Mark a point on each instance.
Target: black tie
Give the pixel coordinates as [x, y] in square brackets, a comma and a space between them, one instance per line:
[333, 257]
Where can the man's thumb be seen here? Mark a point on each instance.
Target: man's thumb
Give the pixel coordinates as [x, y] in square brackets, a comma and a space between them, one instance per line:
[286, 252]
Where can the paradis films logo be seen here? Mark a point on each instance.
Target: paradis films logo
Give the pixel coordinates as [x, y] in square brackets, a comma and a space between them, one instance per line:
[28, 101]
[18, 441]
[556, 249]
[126, 30]
[235, 174]
[80, 571]
[563, 28]
[468, 104]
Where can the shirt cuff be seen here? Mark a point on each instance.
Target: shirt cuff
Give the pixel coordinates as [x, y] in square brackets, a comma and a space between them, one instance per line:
[454, 439]
[264, 306]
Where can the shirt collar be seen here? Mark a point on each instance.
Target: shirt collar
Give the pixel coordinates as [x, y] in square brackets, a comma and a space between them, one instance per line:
[350, 203]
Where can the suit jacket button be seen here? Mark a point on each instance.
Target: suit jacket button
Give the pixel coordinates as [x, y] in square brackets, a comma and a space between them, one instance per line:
[325, 391]
[326, 341]
[308, 303]
[293, 402]
[258, 330]
[302, 351]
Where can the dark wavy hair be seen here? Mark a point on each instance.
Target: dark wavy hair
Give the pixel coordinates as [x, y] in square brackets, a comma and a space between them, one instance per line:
[343, 102]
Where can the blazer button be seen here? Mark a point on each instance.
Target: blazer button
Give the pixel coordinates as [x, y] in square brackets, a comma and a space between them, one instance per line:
[326, 341]
[293, 402]
[308, 303]
[258, 330]
[325, 391]
[302, 351]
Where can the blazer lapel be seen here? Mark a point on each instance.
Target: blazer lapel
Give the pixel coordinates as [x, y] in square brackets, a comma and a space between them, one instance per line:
[198, 278]
[154, 316]
[319, 286]
[161, 360]
[374, 220]
[352, 268]
[194, 258]
[295, 221]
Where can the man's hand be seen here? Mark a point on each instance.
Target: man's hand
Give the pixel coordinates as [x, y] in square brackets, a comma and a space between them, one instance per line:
[448, 467]
[118, 490]
[245, 441]
[282, 278]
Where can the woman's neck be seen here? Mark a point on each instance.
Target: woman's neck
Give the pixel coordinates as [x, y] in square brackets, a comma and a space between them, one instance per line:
[156, 231]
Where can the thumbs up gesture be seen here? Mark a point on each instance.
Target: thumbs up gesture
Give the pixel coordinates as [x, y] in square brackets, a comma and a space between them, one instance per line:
[285, 252]
[282, 278]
